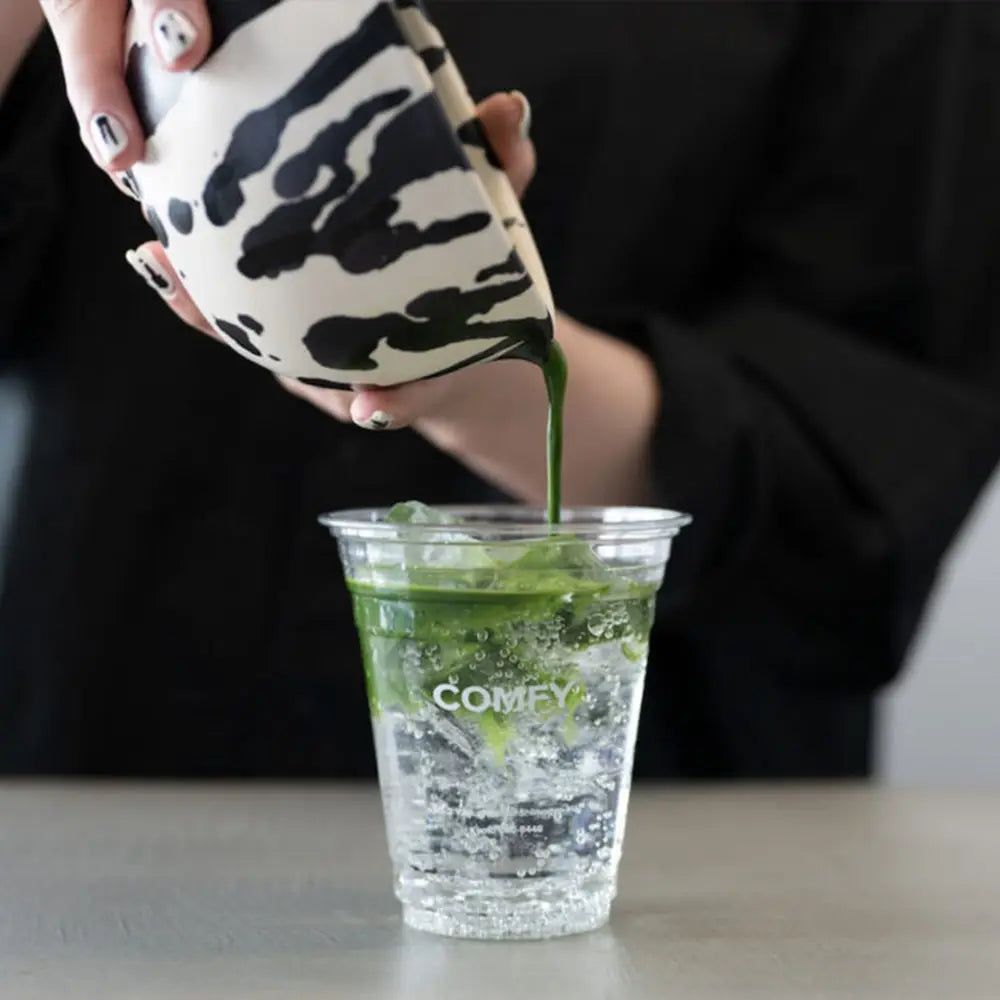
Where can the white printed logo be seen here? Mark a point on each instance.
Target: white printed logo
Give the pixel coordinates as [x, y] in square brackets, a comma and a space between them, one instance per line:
[479, 699]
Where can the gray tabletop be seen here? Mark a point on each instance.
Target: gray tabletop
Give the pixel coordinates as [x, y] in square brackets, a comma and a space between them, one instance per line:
[110, 891]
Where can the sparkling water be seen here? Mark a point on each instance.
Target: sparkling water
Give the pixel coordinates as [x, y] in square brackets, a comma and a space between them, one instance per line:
[505, 783]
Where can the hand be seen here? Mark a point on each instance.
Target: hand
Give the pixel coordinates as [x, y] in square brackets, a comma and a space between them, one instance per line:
[613, 396]
[492, 416]
[90, 37]
[90, 40]
[504, 117]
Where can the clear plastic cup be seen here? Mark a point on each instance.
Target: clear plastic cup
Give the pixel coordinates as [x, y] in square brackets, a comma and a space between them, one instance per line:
[505, 661]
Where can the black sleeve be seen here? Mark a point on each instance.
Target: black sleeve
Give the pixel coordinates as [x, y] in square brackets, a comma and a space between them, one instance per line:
[34, 121]
[831, 423]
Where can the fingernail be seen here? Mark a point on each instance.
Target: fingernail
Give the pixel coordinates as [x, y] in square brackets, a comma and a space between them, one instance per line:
[175, 35]
[127, 182]
[378, 421]
[150, 269]
[109, 135]
[525, 129]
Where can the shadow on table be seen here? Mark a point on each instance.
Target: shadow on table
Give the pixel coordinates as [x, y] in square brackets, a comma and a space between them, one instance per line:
[587, 965]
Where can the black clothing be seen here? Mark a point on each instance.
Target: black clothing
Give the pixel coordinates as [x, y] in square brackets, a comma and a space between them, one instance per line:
[794, 208]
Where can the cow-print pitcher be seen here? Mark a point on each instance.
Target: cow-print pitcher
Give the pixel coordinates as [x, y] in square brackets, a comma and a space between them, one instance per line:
[326, 194]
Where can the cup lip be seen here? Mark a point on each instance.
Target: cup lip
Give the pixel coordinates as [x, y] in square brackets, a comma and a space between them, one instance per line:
[514, 521]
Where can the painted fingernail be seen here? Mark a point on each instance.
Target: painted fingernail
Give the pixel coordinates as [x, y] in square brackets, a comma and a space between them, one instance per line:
[150, 269]
[109, 135]
[525, 128]
[128, 184]
[175, 35]
[378, 421]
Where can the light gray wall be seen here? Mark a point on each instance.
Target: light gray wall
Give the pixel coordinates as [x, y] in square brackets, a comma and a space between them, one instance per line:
[13, 431]
[941, 723]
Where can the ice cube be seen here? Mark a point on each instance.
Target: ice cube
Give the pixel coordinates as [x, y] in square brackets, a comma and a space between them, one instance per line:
[468, 744]
[415, 512]
[450, 549]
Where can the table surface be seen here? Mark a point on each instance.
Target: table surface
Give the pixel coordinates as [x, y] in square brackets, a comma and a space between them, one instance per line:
[283, 892]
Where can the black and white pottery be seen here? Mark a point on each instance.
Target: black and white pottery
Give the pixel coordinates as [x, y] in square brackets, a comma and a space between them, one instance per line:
[326, 195]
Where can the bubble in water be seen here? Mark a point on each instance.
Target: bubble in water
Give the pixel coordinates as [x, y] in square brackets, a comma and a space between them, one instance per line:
[597, 624]
[459, 821]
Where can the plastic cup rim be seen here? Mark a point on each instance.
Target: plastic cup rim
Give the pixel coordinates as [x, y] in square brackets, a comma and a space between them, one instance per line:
[513, 521]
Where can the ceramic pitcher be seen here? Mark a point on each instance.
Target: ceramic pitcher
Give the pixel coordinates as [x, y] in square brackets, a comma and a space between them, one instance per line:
[327, 196]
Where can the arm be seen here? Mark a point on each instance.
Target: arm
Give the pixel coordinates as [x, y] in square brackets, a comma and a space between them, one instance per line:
[831, 420]
[19, 24]
[89, 37]
[493, 419]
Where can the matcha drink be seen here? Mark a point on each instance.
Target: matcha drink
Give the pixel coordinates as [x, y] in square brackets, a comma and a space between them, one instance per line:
[505, 659]
[504, 654]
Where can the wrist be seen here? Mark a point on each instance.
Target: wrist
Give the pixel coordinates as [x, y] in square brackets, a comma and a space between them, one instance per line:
[481, 401]
[493, 417]
[490, 395]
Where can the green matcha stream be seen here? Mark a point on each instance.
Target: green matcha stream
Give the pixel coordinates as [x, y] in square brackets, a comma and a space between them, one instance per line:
[554, 371]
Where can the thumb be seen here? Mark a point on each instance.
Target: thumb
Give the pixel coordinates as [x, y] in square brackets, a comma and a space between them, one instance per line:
[506, 119]
[395, 407]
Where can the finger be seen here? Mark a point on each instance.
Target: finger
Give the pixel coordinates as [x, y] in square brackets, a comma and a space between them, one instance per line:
[125, 182]
[180, 30]
[151, 264]
[335, 402]
[89, 36]
[506, 120]
[382, 409]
